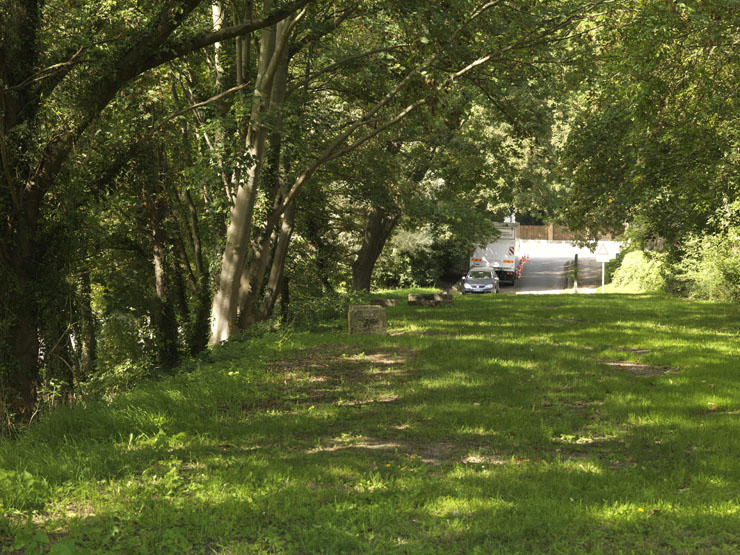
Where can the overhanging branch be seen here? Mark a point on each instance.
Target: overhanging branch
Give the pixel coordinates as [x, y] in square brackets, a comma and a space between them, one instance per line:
[335, 149]
[197, 105]
[189, 45]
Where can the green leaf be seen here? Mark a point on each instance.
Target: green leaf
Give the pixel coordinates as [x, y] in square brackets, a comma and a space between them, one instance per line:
[61, 549]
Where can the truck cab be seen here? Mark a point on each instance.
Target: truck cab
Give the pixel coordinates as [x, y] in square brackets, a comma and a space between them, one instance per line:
[502, 254]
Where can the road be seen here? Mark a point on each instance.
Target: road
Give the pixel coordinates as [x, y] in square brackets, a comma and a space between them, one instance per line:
[546, 271]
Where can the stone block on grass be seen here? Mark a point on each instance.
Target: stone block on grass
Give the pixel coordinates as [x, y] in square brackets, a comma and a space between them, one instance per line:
[369, 319]
[443, 298]
[384, 302]
[430, 299]
[422, 299]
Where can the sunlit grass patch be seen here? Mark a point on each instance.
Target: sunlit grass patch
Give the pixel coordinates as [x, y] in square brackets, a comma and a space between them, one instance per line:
[504, 424]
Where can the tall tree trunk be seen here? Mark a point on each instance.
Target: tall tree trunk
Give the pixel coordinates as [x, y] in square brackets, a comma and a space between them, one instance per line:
[24, 283]
[225, 307]
[252, 279]
[285, 298]
[87, 333]
[275, 283]
[23, 379]
[218, 16]
[275, 177]
[18, 239]
[324, 264]
[197, 336]
[377, 230]
[238, 234]
[163, 318]
[163, 313]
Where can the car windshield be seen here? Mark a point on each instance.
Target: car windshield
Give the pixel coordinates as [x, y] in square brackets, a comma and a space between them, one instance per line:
[478, 274]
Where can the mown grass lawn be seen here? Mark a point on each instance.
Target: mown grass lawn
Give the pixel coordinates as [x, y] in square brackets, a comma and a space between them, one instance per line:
[598, 423]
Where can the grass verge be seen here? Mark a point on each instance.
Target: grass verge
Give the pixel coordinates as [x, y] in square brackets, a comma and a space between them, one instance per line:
[504, 423]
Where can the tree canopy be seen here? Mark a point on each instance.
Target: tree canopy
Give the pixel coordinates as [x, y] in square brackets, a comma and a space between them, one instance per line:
[171, 170]
[654, 139]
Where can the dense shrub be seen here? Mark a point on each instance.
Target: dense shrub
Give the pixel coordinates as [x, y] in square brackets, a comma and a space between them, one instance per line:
[311, 312]
[407, 260]
[710, 269]
[424, 257]
[641, 271]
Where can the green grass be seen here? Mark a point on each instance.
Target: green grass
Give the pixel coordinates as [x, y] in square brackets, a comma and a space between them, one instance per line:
[505, 423]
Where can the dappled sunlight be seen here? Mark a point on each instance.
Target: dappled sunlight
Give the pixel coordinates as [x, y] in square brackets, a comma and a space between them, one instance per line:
[448, 435]
[582, 466]
[457, 507]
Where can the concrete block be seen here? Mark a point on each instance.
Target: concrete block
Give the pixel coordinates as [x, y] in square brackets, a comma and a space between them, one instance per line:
[430, 299]
[384, 302]
[421, 299]
[367, 319]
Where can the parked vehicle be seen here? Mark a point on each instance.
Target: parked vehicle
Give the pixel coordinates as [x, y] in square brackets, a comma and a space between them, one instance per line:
[502, 254]
[481, 279]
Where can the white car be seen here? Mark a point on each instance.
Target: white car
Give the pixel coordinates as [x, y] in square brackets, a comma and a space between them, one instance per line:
[481, 279]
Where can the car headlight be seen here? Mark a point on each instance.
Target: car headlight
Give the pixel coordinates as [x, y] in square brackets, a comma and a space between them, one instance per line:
[489, 286]
[467, 286]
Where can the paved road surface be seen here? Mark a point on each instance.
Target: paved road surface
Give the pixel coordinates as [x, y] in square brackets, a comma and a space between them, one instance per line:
[542, 274]
[546, 271]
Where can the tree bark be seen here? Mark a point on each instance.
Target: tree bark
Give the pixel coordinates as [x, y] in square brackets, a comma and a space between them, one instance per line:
[377, 231]
[87, 328]
[24, 306]
[225, 306]
[23, 379]
[18, 246]
[285, 299]
[275, 178]
[197, 335]
[163, 313]
[226, 302]
[277, 271]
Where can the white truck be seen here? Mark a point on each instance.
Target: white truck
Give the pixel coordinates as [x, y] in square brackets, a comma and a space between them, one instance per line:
[502, 254]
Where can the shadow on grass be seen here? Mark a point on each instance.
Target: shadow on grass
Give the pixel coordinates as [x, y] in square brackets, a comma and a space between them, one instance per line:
[356, 501]
[494, 424]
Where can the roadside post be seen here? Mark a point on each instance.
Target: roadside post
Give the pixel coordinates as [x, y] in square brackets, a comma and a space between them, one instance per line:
[604, 254]
[575, 274]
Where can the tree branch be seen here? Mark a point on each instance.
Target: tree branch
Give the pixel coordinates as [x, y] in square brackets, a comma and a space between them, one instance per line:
[308, 78]
[197, 105]
[333, 151]
[149, 51]
[47, 73]
[325, 30]
[189, 45]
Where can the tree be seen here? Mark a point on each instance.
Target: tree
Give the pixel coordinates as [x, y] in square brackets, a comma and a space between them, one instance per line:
[328, 79]
[52, 93]
[435, 55]
[654, 143]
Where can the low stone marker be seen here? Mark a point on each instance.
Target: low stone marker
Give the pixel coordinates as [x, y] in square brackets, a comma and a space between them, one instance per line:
[384, 302]
[366, 319]
[430, 299]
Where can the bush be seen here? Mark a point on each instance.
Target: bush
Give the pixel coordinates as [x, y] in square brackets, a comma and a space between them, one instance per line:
[424, 257]
[313, 312]
[121, 377]
[407, 260]
[641, 271]
[710, 268]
